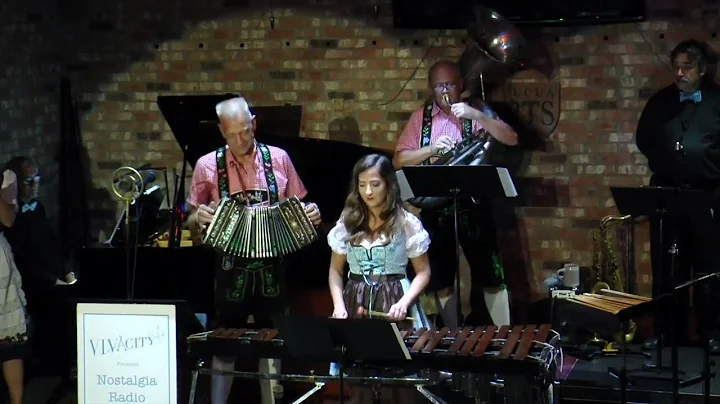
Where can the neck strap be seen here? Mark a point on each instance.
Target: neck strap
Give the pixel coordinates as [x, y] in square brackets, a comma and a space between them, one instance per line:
[426, 134]
[224, 184]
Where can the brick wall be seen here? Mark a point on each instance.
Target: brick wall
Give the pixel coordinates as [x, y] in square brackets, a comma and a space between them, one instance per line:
[341, 64]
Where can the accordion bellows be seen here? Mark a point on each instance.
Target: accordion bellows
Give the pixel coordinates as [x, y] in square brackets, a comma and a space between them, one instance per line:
[259, 231]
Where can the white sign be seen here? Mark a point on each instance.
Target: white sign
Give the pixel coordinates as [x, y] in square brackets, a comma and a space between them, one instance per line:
[126, 353]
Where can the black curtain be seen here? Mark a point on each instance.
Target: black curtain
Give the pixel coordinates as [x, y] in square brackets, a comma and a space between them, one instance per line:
[74, 178]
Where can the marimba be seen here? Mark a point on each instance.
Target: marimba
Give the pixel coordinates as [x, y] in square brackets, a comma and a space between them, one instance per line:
[524, 356]
[241, 342]
[468, 349]
[515, 349]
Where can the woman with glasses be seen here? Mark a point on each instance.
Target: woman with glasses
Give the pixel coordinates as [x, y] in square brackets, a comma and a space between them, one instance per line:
[13, 324]
[377, 237]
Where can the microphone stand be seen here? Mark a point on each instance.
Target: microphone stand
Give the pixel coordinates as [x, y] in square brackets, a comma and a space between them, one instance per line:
[176, 219]
[456, 224]
[128, 256]
[129, 196]
[668, 284]
[707, 374]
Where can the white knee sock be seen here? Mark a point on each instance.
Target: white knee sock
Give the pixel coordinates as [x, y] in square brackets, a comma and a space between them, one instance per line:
[448, 310]
[221, 385]
[271, 366]
[498, 305]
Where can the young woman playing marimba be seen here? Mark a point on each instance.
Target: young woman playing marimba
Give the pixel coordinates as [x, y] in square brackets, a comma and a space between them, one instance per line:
[376, 236]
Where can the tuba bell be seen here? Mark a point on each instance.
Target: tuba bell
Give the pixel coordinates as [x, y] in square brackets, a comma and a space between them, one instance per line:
[495, 42]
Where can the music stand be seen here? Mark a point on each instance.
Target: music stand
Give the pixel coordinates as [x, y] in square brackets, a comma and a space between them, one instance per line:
[663, 202]
[604, 322]
[705, 334]
[481, 181]
[343, 341]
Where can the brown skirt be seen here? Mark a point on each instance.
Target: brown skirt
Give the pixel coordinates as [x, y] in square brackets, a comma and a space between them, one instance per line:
[359, 293]
[388, 291]
[373, 293]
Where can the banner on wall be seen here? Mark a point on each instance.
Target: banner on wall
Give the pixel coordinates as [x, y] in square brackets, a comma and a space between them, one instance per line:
[126, 353]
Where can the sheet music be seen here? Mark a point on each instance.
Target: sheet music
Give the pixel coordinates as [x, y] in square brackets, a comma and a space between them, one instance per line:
[507, 182]
[405, 191]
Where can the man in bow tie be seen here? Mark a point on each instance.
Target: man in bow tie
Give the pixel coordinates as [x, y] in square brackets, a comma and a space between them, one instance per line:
[44, 269]
[679, 134]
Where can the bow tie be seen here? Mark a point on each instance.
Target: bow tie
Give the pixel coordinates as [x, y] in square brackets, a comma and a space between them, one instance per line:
[695, 97]
[29, 207]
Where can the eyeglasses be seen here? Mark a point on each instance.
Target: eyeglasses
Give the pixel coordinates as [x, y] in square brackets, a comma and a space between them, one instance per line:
[440, 87]
[31, 180]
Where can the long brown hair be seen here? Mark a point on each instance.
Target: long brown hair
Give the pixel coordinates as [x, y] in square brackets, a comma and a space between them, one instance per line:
[356, 215]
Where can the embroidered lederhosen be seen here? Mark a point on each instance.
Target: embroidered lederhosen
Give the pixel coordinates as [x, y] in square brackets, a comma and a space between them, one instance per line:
[239, 279]
[465, 215]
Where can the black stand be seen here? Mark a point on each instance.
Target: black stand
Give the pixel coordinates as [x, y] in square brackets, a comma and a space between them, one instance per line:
[128, 255]
[131, 245]
[481, 181]
[604, 322]
[344, 341]
[664, 203]
[176, 216]
[663, 305]
[707, 374]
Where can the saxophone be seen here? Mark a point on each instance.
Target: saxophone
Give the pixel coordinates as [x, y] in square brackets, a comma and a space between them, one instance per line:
[608, 273]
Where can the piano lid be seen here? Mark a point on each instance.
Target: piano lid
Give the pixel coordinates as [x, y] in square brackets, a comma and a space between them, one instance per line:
[193, 121]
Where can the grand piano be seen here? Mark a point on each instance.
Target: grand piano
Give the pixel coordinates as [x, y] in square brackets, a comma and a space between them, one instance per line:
[186, 273]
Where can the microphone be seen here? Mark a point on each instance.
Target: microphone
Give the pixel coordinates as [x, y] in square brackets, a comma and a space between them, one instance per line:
[126, 184]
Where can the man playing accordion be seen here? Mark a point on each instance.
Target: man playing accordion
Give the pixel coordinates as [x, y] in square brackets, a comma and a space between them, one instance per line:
[256, 174]
[434, 129]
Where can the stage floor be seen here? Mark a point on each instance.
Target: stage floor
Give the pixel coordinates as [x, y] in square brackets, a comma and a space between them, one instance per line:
[587, 381]
[582, 381]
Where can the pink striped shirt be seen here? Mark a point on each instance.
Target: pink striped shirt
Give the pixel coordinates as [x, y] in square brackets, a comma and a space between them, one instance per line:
[244, 178]
[442, 125]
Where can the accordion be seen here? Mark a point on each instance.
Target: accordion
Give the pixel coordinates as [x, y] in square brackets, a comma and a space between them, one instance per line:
[259, 231]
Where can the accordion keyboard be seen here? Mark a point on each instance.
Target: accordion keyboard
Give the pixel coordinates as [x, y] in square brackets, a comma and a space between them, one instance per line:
[259, 231]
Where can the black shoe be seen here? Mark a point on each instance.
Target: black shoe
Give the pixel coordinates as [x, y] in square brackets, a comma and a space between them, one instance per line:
[650, 344]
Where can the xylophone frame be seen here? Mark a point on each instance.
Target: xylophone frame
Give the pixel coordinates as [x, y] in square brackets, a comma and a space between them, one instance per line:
[468, 343]
[268, 337]
[420, 383]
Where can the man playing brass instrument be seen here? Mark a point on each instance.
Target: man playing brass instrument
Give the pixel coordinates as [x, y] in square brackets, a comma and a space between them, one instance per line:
[679, 133]
[257, 174]
[434, 129]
